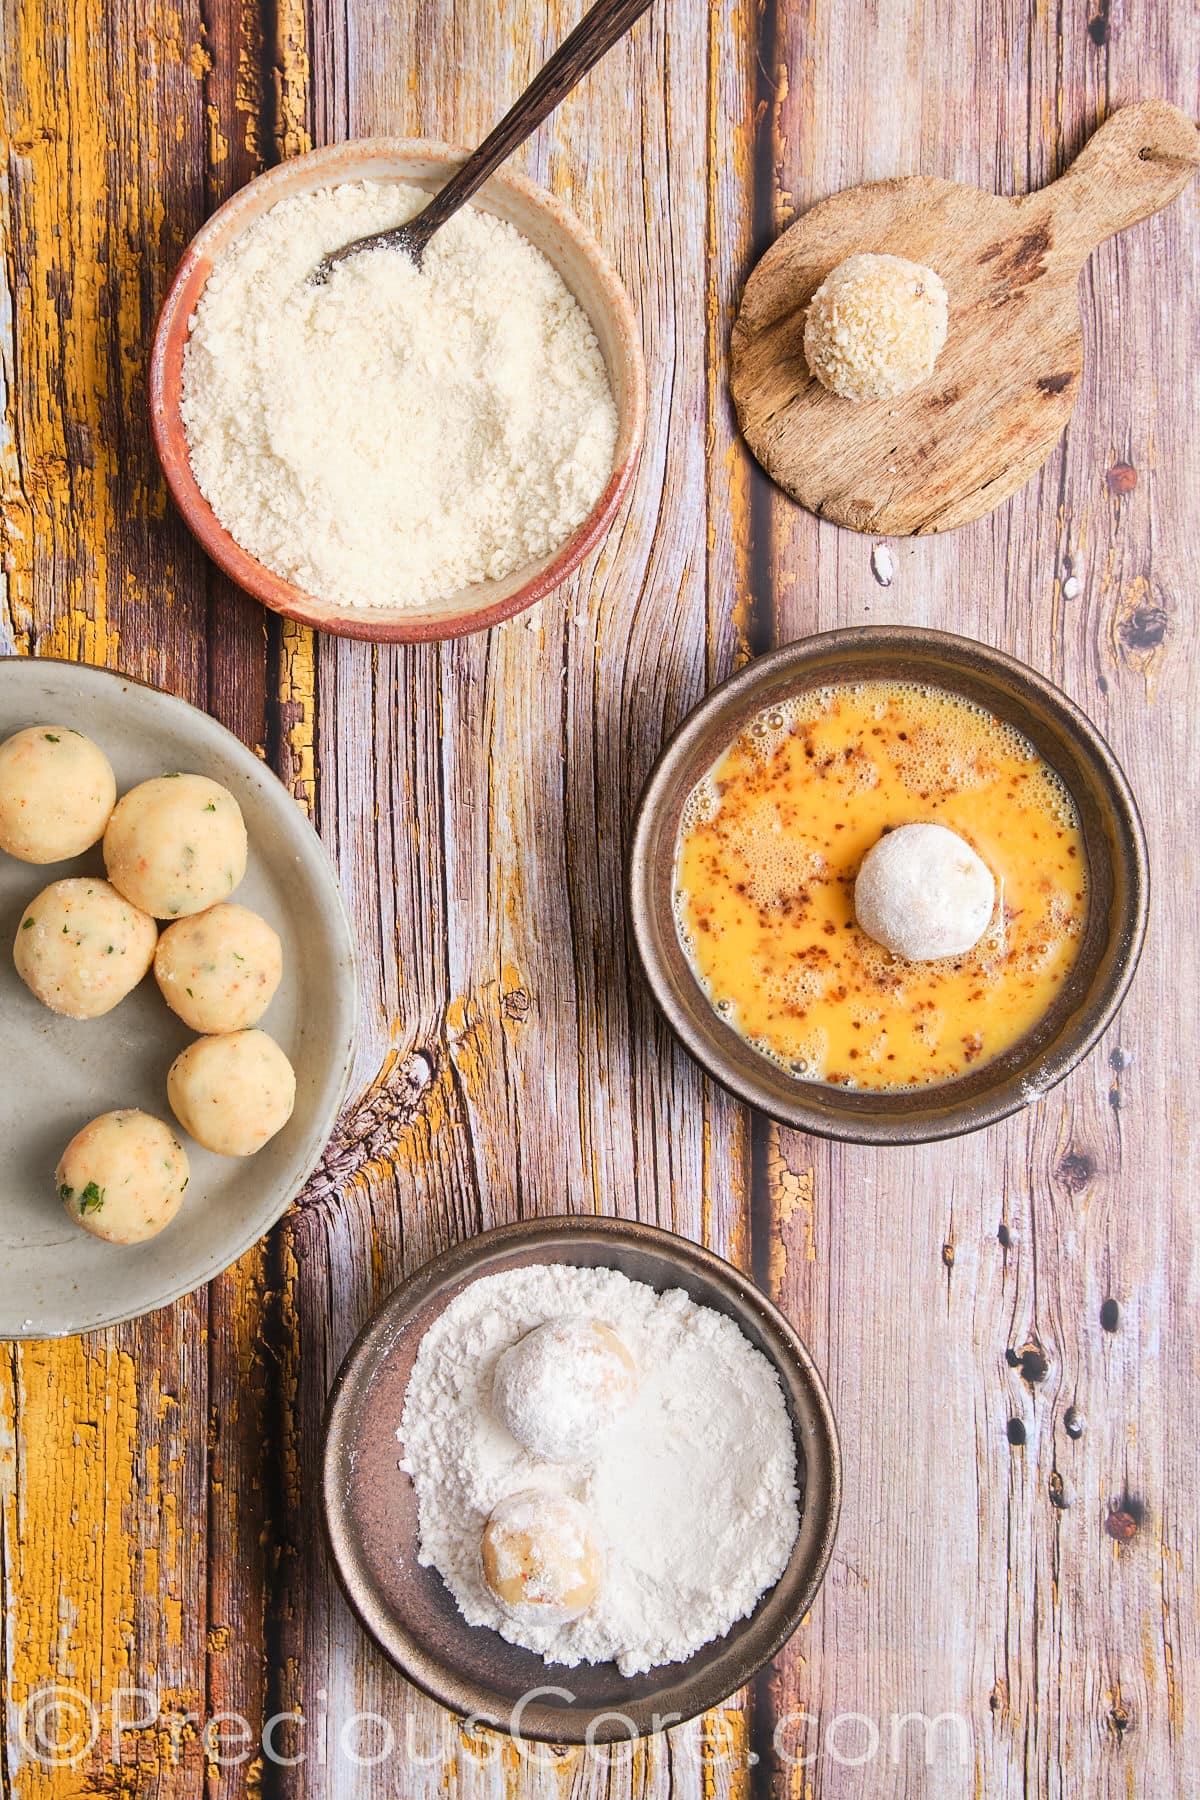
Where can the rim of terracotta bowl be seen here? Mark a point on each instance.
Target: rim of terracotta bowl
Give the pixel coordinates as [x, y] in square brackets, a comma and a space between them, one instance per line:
[612, 320]
[370, 1509]
[1118, 881]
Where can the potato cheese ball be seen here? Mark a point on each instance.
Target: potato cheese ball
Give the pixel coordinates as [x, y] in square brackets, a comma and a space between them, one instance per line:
[924, 893]
[123, 1177]
[232, 1093]
[540, 1556]
[560, 1387]
[57, 792]
[219, 969]
[176, 845]
[174, 848]
[80, 948]
[875, 327]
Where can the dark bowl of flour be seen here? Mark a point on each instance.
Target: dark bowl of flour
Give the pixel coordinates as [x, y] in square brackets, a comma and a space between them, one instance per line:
[373, 1511]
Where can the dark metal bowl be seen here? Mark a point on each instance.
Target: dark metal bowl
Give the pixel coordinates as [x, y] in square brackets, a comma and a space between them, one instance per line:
[1117, 871]
[371, 1509]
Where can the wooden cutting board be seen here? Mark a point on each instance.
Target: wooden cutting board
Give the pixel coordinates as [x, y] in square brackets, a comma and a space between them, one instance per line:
[1005, 383]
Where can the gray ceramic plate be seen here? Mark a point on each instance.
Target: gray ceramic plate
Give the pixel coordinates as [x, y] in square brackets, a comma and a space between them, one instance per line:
[371, 1508]
[59, 1073]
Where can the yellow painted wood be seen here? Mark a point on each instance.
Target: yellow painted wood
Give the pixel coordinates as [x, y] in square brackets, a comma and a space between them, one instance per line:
[102, 1440]
[297, 671]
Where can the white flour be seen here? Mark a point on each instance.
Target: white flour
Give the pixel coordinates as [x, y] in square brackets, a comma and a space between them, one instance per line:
[693, 1492]
[398, 433]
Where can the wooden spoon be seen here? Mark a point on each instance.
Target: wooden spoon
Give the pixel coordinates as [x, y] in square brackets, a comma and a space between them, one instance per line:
[595, 34]
[1005, 383]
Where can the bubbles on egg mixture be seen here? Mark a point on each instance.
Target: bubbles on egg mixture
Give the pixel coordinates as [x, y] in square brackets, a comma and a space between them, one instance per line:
[702, 804]
[771, 728]
[679, 906]
[804, 981]
[1056, 798]
[805, 1060]
[778, 860]
[770, 878]
[938, 749]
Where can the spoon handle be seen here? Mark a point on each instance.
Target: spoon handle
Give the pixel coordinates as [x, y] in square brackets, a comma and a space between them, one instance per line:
[595, 34]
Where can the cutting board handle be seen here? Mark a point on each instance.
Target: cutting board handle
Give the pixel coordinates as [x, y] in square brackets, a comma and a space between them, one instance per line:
[1138, 161]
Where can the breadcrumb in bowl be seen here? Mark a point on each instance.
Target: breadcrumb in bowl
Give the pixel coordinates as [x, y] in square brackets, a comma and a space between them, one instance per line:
[571, 251]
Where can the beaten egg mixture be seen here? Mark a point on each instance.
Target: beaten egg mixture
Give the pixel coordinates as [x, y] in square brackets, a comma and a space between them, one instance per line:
[770, 845]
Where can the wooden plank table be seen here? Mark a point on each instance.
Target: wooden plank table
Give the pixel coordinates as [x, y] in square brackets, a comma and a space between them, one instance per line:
[1008, 1323]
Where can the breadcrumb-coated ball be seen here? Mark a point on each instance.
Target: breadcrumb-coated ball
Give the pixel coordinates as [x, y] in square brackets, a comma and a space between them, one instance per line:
[875, 326]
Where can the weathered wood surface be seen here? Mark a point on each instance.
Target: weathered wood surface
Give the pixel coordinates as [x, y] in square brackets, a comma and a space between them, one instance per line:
[158, 1526]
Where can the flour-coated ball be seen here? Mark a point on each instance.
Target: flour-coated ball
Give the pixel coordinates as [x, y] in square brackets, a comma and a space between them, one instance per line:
[541, 1561]
[57, 792]
[123, 1177]
[219, 969]
[81, 948]
[561, 1386]
[176, 845]
[232, 1093]
[923, 893]
[875, 326]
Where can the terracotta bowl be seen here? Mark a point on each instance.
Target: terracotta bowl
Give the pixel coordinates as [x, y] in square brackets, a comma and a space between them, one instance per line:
[560, 237]
[371, 1512]
[1116, 866]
